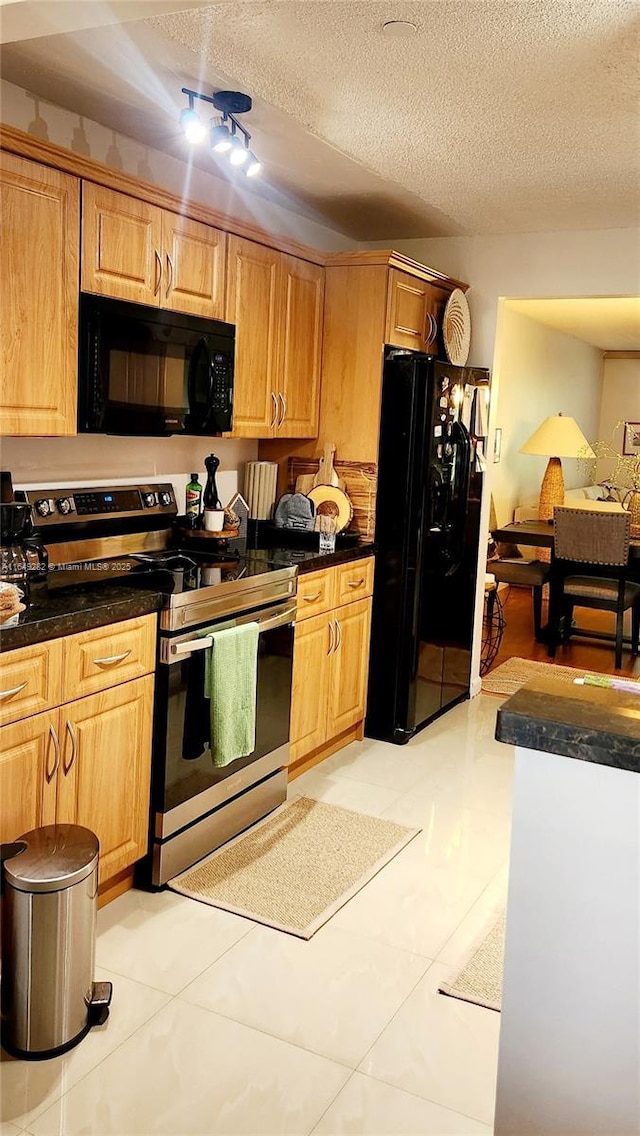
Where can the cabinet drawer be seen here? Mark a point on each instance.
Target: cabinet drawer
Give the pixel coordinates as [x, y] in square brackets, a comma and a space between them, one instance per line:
[315, 593]
[30, 680]
[354, 581]
[107, 656]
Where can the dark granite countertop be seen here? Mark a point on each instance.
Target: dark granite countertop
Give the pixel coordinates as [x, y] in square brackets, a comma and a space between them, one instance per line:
[588, 723]
[308, 560]
[55, 612]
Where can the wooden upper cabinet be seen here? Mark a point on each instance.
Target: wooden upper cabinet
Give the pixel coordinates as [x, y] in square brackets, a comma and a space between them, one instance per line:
[253, 305]
[300, 349]
[135, 251]
[121, 245]
[39, 279]
[194, 267]
[408, 324]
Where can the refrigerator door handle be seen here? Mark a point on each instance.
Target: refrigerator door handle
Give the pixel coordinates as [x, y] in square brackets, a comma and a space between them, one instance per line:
[460, 493]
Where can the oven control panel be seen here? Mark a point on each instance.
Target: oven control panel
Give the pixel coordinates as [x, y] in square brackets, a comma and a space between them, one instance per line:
[60, 506]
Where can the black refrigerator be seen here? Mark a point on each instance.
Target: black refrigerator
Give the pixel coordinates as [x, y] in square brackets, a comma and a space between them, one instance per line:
[430, 472]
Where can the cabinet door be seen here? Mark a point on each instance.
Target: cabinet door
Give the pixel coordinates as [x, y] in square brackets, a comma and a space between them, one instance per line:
[39, 279]
[194, 267]
[253, 305]
[408, 304]
[300, 349]
[105, 770]
[311, 658]
[29, 761]
[349, 667]
[121, 246]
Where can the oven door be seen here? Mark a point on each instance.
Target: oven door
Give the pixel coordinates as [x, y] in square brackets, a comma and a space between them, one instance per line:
[186, 785]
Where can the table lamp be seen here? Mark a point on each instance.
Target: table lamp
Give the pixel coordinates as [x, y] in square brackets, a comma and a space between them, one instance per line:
[558, 437]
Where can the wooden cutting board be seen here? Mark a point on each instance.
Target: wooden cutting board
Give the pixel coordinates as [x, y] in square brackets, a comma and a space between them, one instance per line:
[326, 474]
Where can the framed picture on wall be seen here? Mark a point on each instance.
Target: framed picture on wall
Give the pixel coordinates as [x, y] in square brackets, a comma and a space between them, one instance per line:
[497, 444]
[631, 440]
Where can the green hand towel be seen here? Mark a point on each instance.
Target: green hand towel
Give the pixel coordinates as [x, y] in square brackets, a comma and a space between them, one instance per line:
[230, 682]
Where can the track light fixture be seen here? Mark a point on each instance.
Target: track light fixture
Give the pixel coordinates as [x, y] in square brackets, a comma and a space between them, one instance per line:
[227, 134]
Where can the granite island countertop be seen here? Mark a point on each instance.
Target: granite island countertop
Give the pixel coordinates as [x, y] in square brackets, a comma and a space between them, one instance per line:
[588, 723]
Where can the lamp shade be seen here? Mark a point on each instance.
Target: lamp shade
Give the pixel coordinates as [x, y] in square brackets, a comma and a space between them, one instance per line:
[560, 437]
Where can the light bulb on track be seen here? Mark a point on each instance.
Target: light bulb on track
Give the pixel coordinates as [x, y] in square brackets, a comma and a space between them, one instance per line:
[253, 165]
[239, 154]
[220, 139]
[192, 125]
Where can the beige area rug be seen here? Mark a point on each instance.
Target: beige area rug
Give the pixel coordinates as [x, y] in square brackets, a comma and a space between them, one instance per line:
[480, 980]
[510, 676]
[296, 868]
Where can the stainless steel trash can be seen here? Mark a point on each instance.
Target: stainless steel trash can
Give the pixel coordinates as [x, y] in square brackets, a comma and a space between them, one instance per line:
[49, 902]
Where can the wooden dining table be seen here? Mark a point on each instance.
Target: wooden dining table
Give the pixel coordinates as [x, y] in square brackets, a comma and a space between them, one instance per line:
[540, 534]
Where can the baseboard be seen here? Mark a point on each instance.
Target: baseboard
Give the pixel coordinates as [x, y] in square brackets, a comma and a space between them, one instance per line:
[355, 734]
[114, 887]
[476, 687]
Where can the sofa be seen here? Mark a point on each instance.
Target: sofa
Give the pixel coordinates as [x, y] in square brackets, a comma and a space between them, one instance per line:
[602, 497]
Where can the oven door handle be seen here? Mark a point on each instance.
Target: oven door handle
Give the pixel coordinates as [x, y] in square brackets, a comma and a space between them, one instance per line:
[187, 646]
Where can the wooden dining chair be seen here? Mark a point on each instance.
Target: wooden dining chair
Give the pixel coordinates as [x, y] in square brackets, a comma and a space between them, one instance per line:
[590, 570]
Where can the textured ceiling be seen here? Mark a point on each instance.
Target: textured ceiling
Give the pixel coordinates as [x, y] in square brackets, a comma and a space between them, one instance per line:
[499, 115]
[611, 323]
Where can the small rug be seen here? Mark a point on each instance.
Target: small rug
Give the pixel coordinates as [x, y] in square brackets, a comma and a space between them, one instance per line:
[510, 676]
[296, 868]
[480, 980]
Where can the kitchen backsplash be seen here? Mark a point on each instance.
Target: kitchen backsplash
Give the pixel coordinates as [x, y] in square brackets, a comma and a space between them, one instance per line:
[97, 458]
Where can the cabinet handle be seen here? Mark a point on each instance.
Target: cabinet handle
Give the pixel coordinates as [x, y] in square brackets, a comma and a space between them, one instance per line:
[170, 271]
[158, 273]
[111, 659]
[355, 583]
[56, 751]
[275, 411]
[339, 635]
[312, 599]
[284, 408]
[74, 748]
[14, 690]
[331, 637]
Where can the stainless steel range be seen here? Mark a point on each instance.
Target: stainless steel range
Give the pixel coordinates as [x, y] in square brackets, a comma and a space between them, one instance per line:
[124, 534]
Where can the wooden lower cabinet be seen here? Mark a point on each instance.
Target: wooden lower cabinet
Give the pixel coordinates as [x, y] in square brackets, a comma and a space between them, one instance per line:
[330, 669]
[105, 770]
[311, 680]
[350, 667]
[29, 761]
[87, 763]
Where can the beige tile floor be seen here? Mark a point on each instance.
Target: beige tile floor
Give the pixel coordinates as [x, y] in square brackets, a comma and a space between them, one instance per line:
[222, 1027]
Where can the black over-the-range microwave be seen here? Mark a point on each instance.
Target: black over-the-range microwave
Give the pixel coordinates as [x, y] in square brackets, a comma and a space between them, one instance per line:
[146, 371]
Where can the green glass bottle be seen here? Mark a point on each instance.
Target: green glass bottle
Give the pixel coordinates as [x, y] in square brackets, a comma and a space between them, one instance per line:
[194, 496]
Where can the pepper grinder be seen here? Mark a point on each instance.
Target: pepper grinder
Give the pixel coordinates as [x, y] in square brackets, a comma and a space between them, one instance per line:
[213, 517]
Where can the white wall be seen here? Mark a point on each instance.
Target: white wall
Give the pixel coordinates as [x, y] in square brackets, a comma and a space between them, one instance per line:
[620, 403]
[543, 372]
[605, 262]
[72, 462]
